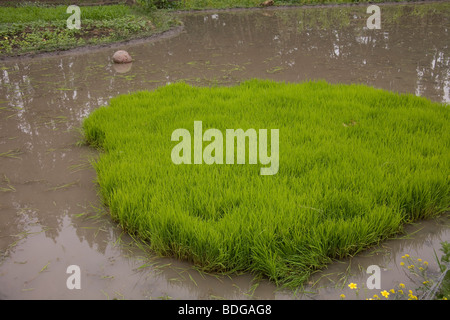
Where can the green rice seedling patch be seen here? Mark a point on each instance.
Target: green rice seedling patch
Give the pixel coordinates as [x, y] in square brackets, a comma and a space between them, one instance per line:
[355, 164]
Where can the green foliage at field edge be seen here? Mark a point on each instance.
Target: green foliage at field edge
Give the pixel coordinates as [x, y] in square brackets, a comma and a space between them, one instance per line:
[31, 29]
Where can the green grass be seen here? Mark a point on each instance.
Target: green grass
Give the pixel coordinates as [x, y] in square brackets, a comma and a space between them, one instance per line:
[356, 164]
[33, 28]
[34, 13]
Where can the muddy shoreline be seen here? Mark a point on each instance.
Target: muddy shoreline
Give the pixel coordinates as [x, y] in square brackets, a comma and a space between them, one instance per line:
[93, 48]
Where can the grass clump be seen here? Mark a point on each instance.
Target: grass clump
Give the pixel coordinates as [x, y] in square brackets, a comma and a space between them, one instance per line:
[355, 164]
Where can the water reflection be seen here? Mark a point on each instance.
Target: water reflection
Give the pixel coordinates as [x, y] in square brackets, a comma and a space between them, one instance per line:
[43, 101]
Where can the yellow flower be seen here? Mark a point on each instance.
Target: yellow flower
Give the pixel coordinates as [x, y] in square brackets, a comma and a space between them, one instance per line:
[425, 263]
[353, 286]
[411, 296]
[420, 268]
[401, 285]
[420, 260]
[342, 296]
[411, 267]
[407, 255]
[385, 294]
[376, 297]
[402, 263]
[400, 291]
[392, 291]
[444, 298]
[426, 282]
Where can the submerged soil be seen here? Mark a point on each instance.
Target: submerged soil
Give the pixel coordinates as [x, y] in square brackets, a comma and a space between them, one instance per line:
[51, 215]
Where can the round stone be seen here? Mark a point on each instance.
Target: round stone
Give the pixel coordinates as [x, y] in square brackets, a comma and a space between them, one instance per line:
[122, 56]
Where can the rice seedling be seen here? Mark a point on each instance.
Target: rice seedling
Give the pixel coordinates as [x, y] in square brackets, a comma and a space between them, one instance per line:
[64, 186]
[11, 154]
[44, 268]
[105, 293]
[355, 165]
[86, 165]
[9, 187]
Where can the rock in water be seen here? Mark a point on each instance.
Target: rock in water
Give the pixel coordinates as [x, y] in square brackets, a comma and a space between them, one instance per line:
[121, 56]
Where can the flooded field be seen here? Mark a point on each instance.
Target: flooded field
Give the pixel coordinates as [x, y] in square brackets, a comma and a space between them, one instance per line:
[51, 216]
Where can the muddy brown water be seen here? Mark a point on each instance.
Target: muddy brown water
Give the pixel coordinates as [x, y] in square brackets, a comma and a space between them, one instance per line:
[50, 210]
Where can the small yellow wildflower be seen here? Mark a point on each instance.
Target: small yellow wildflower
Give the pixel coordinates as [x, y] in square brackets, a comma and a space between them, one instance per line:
[342, 296]
[402, 263]
[420, 260]
[401, 285]
[400, 291]
[421, 269]
[407, 255]
[376, 297]
[385, 294]
[411, 267]
[425, 263]
[444, 298]
[426, 282]
[392, 291]
[353, 286]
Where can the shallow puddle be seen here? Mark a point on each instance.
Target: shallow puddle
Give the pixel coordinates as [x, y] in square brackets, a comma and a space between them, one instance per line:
[51, 214]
